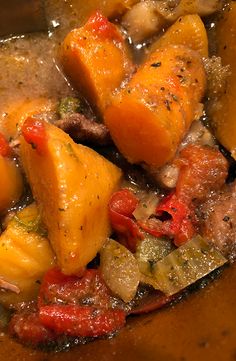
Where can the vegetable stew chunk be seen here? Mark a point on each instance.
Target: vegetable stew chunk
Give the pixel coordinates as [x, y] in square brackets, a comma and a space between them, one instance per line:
[72, 185]
[218, 220]
[150, 116]
[96, 59]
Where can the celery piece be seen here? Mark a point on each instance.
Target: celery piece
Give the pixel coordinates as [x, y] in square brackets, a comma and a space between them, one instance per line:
[151, 250]
[187, 264]
[119, 270]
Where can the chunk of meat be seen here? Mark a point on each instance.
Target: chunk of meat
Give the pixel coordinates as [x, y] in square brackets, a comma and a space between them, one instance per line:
[218, 220]
[202, 169]
[84, 130]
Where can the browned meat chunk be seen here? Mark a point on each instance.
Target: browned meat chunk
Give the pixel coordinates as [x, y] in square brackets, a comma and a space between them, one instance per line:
[218, 220]
[84, 130]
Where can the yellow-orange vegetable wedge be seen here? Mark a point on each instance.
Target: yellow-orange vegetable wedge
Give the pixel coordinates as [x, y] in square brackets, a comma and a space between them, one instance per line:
[25, 255]
[150, 116]
[109, 8]
[224, 109]
[96, 59]
[189, 31]
[18, 112]
[72, 185]
[11, 183]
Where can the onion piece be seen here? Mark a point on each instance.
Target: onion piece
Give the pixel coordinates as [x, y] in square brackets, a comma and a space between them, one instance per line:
[119, 270]
[187, 264]
[151, 250]
[146, 206]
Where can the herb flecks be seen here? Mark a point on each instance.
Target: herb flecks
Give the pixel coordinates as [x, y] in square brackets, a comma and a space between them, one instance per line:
[156, 65]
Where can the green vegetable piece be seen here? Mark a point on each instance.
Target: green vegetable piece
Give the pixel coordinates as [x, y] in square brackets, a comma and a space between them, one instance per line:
[120, 270]
[187, 264]
[151, 250]
[69, 105]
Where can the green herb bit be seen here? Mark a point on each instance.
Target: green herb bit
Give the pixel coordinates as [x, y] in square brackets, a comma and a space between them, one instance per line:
[69, 105]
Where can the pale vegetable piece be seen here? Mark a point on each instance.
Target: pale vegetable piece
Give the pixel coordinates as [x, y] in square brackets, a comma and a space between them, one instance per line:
[96, 59]
[19, 111]
[187, 264]
[189, 31]
[223, 109]
[25, 255]
[171, 10]
[151, 250]
[11, 183]
[120, 270]
[151, 115]
[109, 8]
[72, 185]
[143, 21]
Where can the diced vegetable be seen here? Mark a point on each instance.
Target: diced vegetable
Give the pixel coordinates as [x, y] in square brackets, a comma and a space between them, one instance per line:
[72, 185]
[187, 264]
[150, 116]
[120, 270]
[11, 183]
[189, 31]
[69, 105]
[151, 250]
[142, 21]
[171, 10]
[81, 321]
[18, 112]
[24, 257]
[109, 8]
[121, 207]
[86, 57]
[223, 109]
[202, 169]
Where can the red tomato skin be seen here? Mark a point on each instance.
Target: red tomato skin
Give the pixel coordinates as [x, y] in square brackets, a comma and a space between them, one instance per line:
[57, 288]
[102, 27]
[81, 321]
[34, 133]
[121, 207]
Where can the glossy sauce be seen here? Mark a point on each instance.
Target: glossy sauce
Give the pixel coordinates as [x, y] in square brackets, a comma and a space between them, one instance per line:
[201, 327]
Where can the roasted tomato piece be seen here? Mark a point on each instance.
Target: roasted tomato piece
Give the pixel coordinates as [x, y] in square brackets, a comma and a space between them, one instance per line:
[27, 327]
[89, 289]
[34, 133]
[121, 207]
[81, 321]
[202, 169]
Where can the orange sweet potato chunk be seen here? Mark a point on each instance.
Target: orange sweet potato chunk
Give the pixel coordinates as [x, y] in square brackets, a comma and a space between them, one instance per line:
[96, 59]
[150, 116]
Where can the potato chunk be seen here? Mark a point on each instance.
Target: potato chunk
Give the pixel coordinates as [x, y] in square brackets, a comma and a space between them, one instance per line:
[72, 185]
[96, 59]
[189, 31]
[25, 255]
[11, 183]
[150, 116]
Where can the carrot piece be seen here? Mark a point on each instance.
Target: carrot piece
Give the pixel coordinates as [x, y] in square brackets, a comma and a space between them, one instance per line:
[150, 116]
[189, 31]
[96, 59]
